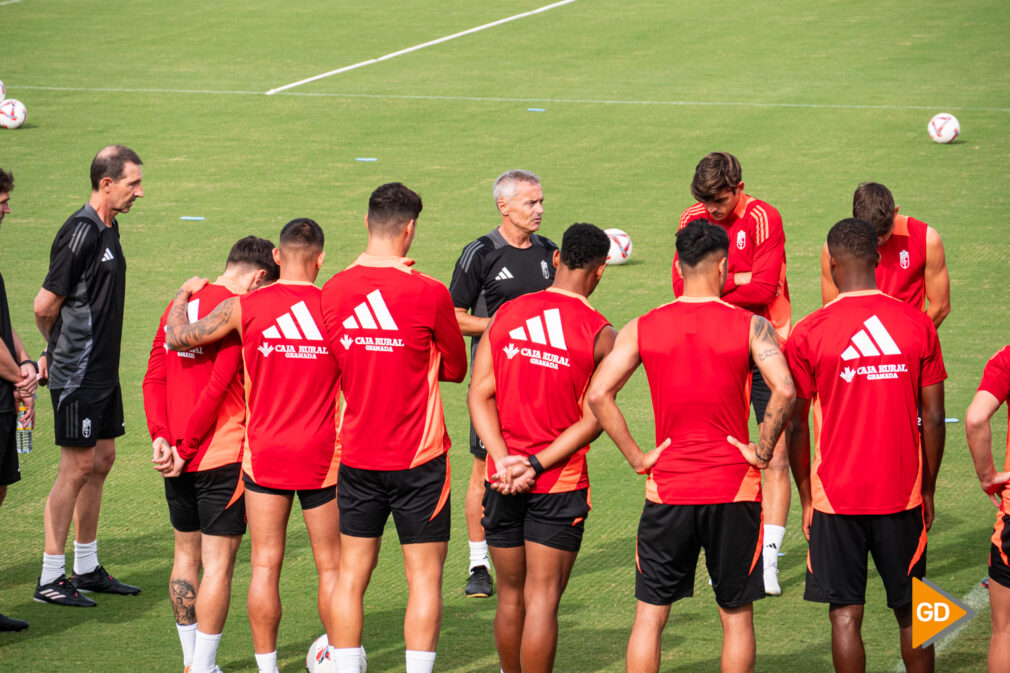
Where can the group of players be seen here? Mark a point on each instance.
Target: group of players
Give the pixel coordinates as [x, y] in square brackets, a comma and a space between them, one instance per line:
[261, 386]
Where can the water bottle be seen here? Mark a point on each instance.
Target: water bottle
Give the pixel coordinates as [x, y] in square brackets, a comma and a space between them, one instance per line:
[24, 431]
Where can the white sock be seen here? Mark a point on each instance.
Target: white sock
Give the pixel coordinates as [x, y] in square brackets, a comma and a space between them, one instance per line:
[267, 663]
[187, 638]
[53, 565]
[419, 661]
[346, 659]
[205, 652]
[85, 556]
[773, 542]
[478, 556]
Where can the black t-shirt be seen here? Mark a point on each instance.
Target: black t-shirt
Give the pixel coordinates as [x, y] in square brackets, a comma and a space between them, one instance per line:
[7, 335]
[490, 272]
[86, 265]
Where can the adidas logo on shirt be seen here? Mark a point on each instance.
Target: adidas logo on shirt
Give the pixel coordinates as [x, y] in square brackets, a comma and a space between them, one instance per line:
[295, 325]
[504, 274]
[371, 314]
[873, 341]
[544, 329]
[108, 256]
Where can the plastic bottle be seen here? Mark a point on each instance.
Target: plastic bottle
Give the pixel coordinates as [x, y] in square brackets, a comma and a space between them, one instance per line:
[24, 431]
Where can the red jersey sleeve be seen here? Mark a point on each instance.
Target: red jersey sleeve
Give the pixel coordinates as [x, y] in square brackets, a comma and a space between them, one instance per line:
[769, 256]
[799, 364]
[227, 364]
[933, 370]
[448, 338]
[155, 392]
[996, 376]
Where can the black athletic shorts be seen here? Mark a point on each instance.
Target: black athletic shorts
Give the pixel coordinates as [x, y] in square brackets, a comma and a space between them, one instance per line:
[760, 394]
[85, 415]
[10, 471]
[670, 538]
[477, 447]
[308, 498]
[555, 520]
[210, 501]
[417, 497]
[839, 543]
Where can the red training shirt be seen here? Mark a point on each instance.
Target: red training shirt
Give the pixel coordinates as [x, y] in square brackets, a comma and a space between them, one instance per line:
[394, 333]
[865, 356]
[902, 269]
[996, 381]
[696, 353]
[542, 347]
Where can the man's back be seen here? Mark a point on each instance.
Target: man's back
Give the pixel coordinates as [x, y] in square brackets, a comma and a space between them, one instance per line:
[393, 331]
[865, 356]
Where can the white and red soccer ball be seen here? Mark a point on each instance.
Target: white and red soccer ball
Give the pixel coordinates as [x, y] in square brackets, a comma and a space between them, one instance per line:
[12, 113]
[316, 661]
[943, 128]
[620, 246]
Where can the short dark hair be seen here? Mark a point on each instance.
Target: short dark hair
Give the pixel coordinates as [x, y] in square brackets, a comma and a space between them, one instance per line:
[853, 238]
[255, 252]
[584, 245]
[717, 172]
[391, 206]
[110, 162]
[6, 182]
[874, 203]
[699, 239]
[302, 232]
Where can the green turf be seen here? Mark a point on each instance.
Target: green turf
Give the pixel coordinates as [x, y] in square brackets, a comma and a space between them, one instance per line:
[812, 97]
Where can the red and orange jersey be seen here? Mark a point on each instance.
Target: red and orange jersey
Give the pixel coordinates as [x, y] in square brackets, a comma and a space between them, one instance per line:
[291, 387]
[864, 358]
[394, 333]
[996, 382]
[542, 347]
[177, 386]
[757, 245]
[902, 269]
[696, 355]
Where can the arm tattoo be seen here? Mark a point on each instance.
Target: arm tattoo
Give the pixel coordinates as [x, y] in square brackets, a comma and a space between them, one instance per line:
[185, 336]
[183, 601]
[772, 426]
[764, 333]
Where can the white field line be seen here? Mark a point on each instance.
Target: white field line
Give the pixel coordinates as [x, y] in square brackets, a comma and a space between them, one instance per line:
[8, 2]
[418, 47]
[498, 99]
[975, 599]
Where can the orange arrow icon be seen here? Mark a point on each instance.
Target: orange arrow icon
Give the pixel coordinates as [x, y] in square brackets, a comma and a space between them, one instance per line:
[933, 612]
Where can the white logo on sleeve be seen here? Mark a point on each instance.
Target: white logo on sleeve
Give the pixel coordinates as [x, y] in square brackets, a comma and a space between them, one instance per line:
[504, 274]
[544, 329]
[295, 325]
[874, 341]
[108, 256]
[371, 314]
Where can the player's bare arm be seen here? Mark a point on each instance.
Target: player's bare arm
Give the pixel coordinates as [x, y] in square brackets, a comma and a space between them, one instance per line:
[937, 279]
[979, 434]
[471, 325]
[828, 289]
[47, 310]
[934, 432]
[181, 335]
[799, 458]
[612, 374]
[9, 369]
[764, 349]
[480, 400]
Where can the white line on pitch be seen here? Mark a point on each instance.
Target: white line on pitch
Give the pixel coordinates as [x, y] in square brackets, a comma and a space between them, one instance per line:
[8, 2]
[417, 47]
[559, 101]
[974, 599]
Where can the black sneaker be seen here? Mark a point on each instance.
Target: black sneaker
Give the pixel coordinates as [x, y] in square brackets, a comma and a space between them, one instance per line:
[480, 584]
[11, 624]
[100, 581]
[61, 592]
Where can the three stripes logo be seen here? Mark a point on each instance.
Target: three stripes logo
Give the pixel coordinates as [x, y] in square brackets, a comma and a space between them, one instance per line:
[504, 274]
[296, 324]
[873, 341]
[371, 314]
[108, 256]
[543, 329]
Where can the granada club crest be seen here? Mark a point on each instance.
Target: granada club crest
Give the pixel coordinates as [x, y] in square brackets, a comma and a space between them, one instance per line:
[546, 271]
[903, 259]
[741, 240]
[86, 428]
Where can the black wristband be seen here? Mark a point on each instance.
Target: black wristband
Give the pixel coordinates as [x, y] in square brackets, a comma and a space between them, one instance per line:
[31, 362]
[44, 354]
[538, 469]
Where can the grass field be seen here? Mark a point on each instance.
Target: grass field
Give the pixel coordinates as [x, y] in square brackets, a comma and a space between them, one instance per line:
[812, 97]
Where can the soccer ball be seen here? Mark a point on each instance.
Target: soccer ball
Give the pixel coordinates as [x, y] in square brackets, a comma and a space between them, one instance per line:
[12, 114]
[620, 246]
[316, 661]
[943, 128]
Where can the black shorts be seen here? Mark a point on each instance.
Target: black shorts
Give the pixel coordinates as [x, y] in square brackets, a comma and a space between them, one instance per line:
[670, 537]
[555, 520]
[836, 561]
[999, 554]
[10, 471]
[418, 499]
[210, 501]
[477, 447]
[84, 415]
[308, 498]
[760, 394]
